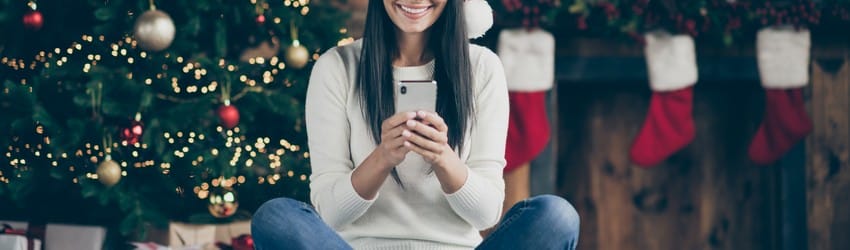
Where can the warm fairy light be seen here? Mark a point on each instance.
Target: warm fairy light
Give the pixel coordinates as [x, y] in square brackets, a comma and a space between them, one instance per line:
[345, 41]
[131, 55]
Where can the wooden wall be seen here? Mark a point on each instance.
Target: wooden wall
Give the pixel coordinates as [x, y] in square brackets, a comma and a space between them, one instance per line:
[828, 152]
[707, 196]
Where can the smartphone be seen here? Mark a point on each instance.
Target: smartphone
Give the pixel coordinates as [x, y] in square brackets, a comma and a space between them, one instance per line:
[415, 96]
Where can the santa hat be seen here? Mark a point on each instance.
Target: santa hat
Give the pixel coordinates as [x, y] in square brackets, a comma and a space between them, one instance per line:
[479, 17]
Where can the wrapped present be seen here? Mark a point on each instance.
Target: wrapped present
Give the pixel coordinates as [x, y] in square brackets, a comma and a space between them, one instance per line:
[148, 246]
[13, 242]
[15, 236]
[228, 232]
[182, 234]
[198, 236]
[59, 236]
[155, 246]
[15, 224]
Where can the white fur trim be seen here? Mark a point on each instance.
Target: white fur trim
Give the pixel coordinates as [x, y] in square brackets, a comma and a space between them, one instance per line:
[671, 61]
[783, 57]
[479, 17]
[528, 57]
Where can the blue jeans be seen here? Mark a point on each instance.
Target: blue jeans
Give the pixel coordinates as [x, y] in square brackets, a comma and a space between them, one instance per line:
[540, 222]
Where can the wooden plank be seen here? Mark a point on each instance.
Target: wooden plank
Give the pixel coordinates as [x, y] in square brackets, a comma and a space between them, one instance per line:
[793, 192]
[828, 153]
[573, 179]
[544, 168]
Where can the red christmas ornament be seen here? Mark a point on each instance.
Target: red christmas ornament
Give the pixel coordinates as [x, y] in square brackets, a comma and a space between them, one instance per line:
[132, 134]
[229, 115]
[33, 20]
[261, 19]
[243, 242]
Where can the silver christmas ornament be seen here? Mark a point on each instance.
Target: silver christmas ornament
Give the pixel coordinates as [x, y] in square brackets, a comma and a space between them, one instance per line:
[154, 30]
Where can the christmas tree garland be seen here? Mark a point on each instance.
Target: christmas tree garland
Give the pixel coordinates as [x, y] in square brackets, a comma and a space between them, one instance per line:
[724, 21]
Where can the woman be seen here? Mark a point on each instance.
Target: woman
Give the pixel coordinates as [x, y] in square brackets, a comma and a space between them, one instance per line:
[410, 180]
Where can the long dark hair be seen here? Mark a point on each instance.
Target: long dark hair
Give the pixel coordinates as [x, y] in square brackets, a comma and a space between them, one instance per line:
[452, 71]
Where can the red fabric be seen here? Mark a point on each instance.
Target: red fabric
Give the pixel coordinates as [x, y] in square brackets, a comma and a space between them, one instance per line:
[528, 128]
[668, 127]
[785, 123]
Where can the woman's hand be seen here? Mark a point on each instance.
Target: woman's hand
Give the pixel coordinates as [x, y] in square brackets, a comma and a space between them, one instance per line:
[429, 138]
[392, 149]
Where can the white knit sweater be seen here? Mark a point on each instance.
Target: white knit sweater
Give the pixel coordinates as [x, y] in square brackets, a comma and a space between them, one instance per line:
[420, 216]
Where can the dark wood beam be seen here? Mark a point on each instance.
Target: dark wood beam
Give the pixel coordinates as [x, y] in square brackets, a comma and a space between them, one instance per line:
[630, 70]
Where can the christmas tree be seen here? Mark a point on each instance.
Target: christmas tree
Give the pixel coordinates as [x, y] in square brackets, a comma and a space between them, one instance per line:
[130, 113]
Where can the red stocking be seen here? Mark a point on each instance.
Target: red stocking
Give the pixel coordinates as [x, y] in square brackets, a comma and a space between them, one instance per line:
[785, 123]
[669, 127]
[783, 60]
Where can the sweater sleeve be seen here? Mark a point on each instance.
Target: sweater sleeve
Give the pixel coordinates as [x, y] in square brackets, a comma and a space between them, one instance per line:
[329, 136]
[479, 200]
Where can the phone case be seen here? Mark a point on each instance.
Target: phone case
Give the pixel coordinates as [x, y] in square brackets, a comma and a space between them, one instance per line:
[415, 96]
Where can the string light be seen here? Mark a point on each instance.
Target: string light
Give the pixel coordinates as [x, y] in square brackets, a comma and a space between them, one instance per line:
[84, 52]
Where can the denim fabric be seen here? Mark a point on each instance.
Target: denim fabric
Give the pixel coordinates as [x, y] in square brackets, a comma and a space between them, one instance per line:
[540, 222]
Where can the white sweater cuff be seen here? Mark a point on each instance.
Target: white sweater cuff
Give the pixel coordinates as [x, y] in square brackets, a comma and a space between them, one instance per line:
[467, 197]
[472, 202]
[783, 57]
[671, 61]
[350, 203]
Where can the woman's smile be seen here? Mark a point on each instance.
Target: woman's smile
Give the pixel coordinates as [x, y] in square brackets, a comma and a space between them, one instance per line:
[415, 11]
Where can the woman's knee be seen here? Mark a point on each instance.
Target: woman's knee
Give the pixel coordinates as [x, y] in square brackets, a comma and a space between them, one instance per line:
[274, 212]
[556, 209]
[275, 207]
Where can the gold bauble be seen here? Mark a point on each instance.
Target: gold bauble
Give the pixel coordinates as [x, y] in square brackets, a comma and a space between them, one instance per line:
[108, 172]
[154, 30]
[297, 56]
[222, 202]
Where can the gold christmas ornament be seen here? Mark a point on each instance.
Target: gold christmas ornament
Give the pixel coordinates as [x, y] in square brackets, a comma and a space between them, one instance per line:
[222, 202]
[297, 56]
[154, 30]
[108, 172]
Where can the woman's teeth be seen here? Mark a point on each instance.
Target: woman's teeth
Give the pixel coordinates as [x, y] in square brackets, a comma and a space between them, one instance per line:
[413, 10]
